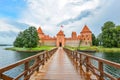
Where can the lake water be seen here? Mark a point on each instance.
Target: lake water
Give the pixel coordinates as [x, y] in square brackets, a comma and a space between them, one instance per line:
[8, 57]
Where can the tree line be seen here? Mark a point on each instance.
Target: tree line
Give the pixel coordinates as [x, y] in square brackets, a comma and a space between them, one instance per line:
[27, 39]
[109, 37]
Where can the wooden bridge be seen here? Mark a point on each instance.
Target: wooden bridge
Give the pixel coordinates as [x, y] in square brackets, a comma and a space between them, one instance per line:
[61, 64]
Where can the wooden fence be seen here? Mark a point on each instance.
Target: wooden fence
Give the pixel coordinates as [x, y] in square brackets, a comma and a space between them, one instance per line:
[85, 61]
[39, 60]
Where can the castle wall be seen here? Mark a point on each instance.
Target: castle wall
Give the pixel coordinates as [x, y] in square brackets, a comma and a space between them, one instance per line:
[72, 43]
[85, 43]
[50, 42]
[83, 39]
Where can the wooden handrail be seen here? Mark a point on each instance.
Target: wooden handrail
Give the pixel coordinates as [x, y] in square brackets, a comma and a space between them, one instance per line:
[39, 60]
[83, 61]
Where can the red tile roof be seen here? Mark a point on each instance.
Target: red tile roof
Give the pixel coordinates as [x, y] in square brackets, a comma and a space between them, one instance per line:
[40, 30]
[86, 29]
[60, 32]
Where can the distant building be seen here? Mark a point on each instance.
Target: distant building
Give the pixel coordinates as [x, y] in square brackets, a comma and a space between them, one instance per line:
[83, 39]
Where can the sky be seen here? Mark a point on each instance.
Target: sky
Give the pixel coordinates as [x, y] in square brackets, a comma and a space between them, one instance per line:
[18, 15]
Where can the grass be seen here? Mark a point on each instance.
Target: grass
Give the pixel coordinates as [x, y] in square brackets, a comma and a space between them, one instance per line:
[95, 48]
[102, 49]
[36, 49]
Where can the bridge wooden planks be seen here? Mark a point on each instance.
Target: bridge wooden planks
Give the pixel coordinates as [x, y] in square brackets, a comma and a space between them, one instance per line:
[59, 68]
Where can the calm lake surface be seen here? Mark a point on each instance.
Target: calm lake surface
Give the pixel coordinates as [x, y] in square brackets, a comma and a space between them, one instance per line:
[8, 57]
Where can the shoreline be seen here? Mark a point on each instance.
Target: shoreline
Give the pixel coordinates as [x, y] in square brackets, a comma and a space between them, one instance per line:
[30, 50]
[95, 49]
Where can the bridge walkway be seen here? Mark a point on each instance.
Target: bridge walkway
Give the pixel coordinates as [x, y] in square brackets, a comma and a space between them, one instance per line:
[58, 68]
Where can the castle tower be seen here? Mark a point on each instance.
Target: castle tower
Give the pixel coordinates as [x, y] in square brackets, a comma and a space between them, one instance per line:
[86, 36]
[74, 35]
[60, 42]
[41, 36]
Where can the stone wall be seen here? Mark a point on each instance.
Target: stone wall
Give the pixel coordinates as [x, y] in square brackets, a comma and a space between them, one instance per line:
[85, 43]
[72, 43]
[50, 42]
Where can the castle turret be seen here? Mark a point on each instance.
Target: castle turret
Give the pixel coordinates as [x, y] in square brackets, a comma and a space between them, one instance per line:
[74, 35]
[86, 36]
[60, 39]
[40, 33]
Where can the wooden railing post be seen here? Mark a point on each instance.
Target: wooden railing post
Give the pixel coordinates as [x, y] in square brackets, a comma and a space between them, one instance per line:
[80, 62]
[47, 57]
[87, 67]
[100, 66]
[43, 58]
[76, 56]
[26, 69]
[37, 63]
[87, 63]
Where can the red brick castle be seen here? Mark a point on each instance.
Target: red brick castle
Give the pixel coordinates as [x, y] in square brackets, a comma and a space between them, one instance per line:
[83, 39]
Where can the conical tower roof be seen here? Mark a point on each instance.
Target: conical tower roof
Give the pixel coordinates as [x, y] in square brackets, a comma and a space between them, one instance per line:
[85, 29]
[60, 32]
[40, 30]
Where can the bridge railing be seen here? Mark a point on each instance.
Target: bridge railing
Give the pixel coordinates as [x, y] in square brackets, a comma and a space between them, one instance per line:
[39, 60]
[85, 62]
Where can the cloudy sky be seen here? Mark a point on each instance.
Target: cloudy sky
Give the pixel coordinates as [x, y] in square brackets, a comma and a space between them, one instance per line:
[17, 15]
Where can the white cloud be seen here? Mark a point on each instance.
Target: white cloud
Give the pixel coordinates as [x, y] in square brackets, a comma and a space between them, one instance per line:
[5, 26]
[50, 13]
[72, 14]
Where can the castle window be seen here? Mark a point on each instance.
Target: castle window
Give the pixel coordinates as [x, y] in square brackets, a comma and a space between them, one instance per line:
[84, 38]
[88, 38]
[86, 43]
[86, 35]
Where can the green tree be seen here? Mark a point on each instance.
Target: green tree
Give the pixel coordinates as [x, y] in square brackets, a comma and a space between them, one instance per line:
[118, 35]
[108, 34]
[99, 37]
[95, 41]
[108, 25]
[19, 40]
[28, 38]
